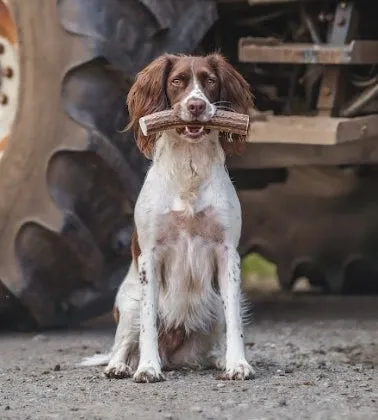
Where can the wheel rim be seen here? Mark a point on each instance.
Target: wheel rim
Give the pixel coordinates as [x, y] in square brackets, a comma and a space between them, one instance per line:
[9, 74]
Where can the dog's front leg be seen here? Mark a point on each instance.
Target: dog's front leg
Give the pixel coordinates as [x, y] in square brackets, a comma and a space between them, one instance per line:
[237, 366]
[149, 368]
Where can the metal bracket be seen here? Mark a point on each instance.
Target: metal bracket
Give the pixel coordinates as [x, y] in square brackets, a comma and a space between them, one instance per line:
[332, 86]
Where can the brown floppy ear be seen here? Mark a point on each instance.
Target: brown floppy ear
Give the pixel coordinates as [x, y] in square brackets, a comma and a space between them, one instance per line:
[235, 95]
[146, 96]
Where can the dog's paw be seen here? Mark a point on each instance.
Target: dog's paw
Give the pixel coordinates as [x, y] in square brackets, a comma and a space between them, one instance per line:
[148, 374]
[118, 370]
[240, 371]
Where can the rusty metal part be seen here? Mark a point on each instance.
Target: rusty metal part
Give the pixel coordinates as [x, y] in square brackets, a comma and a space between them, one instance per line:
[9, 67]
[320, 223]
[315, 130]
[332, 87]
[331, 90]
[4, 144]
[310, 24]
[8, 28]
[345, 23]
[355, 107]
[254, 50]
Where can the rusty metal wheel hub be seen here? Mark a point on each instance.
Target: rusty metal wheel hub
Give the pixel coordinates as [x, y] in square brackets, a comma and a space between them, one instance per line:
[9, 74]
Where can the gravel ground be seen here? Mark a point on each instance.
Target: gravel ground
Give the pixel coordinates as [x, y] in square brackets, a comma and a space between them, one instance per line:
[316, 358]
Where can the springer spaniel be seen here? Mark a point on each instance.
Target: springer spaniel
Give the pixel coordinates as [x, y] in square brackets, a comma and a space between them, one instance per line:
[180, 303]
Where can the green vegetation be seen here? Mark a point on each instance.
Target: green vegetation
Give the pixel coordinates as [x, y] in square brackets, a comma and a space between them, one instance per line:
[254, 264]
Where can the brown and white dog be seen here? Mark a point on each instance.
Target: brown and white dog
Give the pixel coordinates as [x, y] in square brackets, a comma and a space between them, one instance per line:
[180, 303]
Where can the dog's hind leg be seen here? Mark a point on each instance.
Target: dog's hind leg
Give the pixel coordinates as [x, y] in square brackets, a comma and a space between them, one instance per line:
[216, 356]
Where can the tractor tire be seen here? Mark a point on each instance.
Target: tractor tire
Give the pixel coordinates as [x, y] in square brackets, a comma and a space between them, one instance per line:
[70, 176]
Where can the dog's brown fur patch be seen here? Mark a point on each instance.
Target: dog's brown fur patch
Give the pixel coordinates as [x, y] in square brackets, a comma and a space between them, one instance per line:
[116, 314]
[170, 341]
[200, 224]
[135, 249]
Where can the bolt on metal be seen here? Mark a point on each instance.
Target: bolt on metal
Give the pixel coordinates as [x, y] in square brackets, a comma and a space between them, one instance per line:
[8, 72]
[3, 99]
[326, 91]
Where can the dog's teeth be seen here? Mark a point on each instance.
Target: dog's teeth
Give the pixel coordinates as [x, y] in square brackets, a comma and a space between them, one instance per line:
[194, 130]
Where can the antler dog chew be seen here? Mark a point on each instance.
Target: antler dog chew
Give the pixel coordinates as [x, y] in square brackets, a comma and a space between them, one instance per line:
[222, 121]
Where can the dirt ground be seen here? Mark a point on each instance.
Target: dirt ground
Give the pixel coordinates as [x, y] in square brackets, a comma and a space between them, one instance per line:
[316, 358]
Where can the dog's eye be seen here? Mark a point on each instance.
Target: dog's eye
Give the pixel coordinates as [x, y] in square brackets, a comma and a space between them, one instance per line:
[211, 81]
[176, 81]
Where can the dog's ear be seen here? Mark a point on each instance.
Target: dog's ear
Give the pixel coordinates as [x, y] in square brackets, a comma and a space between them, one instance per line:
[148, 95]
[235, 95]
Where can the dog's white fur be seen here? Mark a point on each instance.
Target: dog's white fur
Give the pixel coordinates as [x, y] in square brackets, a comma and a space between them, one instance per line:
[193, 283]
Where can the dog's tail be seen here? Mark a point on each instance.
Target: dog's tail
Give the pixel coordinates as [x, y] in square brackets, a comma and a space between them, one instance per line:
[95, 360]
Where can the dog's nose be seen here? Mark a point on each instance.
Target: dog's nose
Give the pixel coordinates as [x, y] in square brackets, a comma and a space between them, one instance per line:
[196, 107]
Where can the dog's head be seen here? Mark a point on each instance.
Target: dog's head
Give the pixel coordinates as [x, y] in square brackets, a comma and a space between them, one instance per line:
[195, 87]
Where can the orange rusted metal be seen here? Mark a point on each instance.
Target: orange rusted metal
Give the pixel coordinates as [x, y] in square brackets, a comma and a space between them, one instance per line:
[4, 143]
[8, 39]
[8, 29]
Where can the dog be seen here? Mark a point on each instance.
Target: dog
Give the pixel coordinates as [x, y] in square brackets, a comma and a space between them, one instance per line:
[180, 303]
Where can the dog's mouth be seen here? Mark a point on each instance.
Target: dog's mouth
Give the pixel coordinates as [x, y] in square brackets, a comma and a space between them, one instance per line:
[193, 131]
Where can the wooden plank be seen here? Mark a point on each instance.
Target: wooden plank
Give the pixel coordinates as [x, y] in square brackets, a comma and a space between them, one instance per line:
[317, 130]
[358, 128]
[297, 130]
[278, 155]
[255, 50]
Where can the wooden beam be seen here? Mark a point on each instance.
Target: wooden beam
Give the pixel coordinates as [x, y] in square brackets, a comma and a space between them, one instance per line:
[317, 130]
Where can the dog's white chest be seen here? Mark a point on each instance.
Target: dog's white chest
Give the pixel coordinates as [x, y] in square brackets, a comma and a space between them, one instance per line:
[186, 267]
[180, 226]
